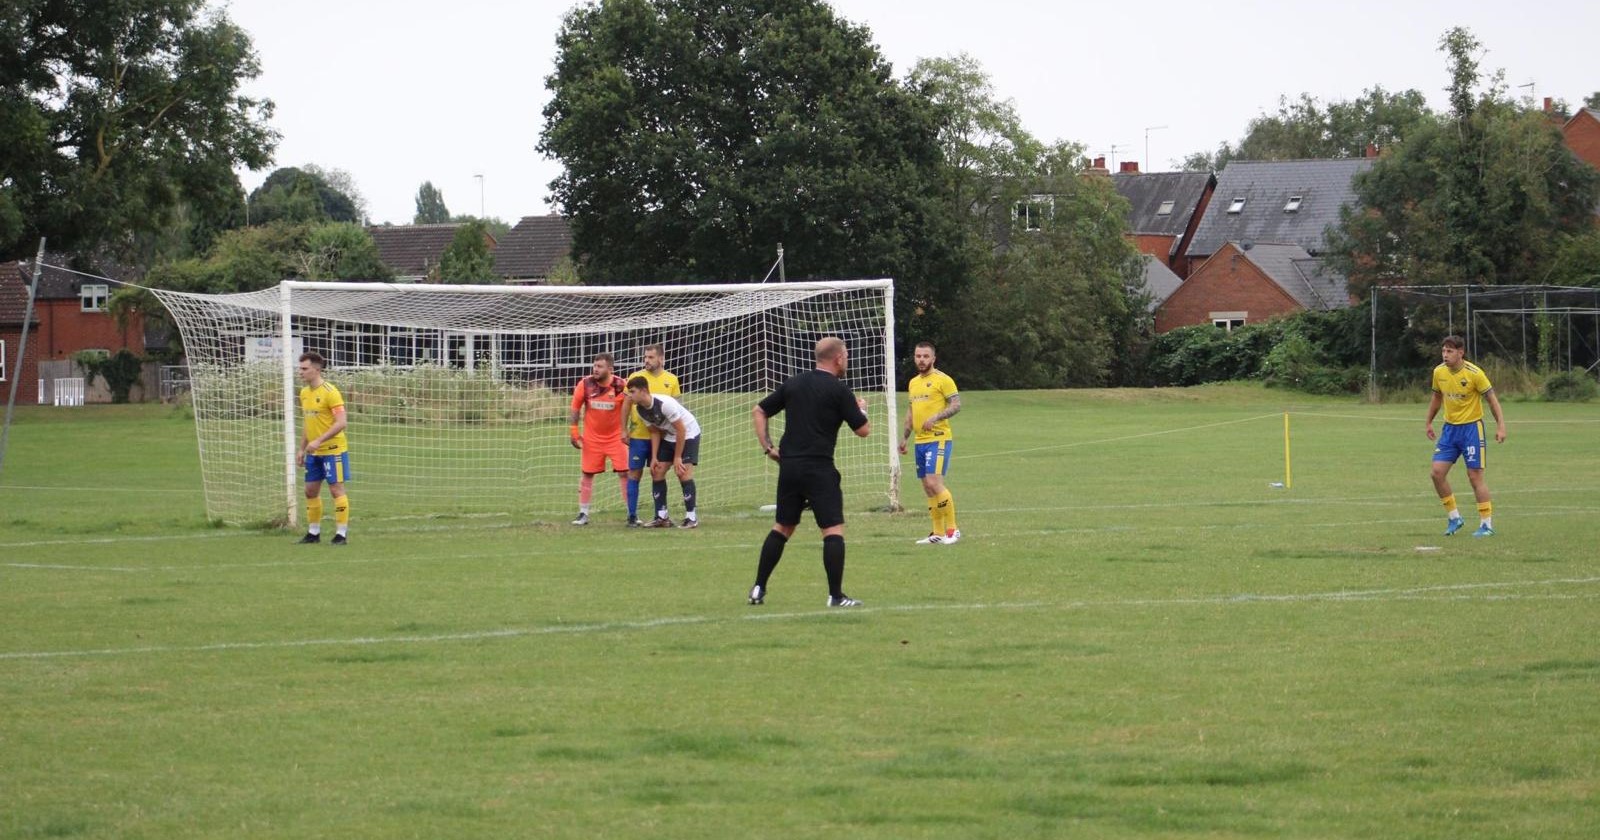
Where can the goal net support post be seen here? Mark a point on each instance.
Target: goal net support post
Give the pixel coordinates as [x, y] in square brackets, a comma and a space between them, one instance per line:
[458, 397]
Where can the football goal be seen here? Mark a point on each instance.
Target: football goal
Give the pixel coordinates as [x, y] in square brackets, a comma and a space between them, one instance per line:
[458, 396]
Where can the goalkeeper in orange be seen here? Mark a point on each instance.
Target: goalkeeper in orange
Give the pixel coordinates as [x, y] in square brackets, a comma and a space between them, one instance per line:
[599, 406]
[933, 401]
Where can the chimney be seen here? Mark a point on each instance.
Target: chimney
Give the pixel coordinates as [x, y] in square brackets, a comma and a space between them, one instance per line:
[1130, 166]
[1548, 104]
[1099, 163]
[1372, 150]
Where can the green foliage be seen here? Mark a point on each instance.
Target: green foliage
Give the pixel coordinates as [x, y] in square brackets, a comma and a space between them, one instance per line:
[343, 251]
[1304, 128]
[1485, 197]
[1592, 100]
[430, 206]
[468, 259]
[434, 395]
[1576, 261]
[1570, 386]
[120, 371]
[306, 194]
[695, 136]
[497, 227]
[116, 115]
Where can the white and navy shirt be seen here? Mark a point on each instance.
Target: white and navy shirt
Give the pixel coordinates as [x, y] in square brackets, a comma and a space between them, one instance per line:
[665, 411]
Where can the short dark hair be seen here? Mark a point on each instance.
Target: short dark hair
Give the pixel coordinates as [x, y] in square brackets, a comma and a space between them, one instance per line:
[609, 359]
[927, 344]
[655, 347]
[1454, 342]
[638, 382]
[315, 358]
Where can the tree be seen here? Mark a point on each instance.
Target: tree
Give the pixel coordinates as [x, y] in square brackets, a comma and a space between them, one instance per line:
[982, 139]
[342, 251]
[468, 259]
[697, 135]
[430, 206]
[303, 194]
[1592, 100]
[1304, 128]
[116, 115]
[1489, 194]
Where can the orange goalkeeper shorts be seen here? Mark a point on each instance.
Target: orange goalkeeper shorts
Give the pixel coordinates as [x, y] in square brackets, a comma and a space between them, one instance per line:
[595, 455]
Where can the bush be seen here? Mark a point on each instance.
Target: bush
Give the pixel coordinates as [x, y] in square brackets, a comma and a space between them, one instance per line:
[1570, 387]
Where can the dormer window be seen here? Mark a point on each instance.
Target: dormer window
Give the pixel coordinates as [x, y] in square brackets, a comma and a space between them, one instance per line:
[1166, 208]
[1237, 206]
[1292, 205]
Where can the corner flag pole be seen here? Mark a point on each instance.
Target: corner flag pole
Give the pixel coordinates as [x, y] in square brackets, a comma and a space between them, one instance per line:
[22, 352]
[1288, 480]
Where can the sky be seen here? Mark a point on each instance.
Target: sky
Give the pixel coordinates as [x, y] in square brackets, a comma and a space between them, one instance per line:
[400, 92]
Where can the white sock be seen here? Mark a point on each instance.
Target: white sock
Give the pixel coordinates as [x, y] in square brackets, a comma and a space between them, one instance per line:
[314, 528]
[584, 509]
[1485, 522]
[342, 530]
[1455, 514]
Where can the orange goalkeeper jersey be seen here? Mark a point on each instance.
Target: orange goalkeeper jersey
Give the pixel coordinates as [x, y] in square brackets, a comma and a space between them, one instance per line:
[604, 405]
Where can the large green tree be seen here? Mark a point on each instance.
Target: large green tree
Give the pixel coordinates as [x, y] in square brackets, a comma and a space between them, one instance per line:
[1488, 194]
[430, 206]
[114, 115]
[1305, 128]
[697, 135]
[306, 194]
[468, 259]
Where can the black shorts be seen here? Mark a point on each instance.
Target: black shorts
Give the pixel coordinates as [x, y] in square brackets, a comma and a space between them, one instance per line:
[668, 448]
[813, 482]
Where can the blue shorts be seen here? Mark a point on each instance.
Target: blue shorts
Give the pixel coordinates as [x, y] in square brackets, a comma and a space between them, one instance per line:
[1465, 441]
[334, 469]
[933, 457]
[638, 453]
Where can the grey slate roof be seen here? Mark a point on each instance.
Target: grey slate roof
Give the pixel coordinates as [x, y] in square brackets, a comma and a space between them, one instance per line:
[411, 250]
[1305, 278]
[1323, 186]
[1146, 191]
[1159, 281]
[528, 250]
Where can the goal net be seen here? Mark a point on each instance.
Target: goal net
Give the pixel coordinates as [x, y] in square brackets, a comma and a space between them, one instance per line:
[458, 397]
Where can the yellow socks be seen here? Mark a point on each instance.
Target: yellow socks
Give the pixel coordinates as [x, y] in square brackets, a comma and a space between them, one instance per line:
[935, 515]
[341, 513]
[1449, 503]
[945, 513]
[1486, 512]
[314, 515]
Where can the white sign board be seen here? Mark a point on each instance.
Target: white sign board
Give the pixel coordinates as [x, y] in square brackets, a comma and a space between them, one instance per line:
[269, 348]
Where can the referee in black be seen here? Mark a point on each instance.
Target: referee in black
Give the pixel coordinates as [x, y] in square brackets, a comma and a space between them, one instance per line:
[817, 403]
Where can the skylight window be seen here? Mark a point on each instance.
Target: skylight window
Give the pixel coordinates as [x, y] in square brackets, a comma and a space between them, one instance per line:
[1237, 206]
[1166, 208]
[1293, 205]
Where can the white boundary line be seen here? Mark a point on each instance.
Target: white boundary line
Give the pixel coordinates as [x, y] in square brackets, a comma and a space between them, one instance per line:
[1453, 593]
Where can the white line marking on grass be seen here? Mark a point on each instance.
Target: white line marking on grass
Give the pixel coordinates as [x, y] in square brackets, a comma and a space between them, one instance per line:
[194, 491]
[1454, 593]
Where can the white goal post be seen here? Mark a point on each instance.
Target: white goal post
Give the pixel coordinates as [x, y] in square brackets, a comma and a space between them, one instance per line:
[458, 396]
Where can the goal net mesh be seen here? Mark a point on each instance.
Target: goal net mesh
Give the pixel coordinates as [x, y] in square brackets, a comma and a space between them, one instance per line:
[458, 397]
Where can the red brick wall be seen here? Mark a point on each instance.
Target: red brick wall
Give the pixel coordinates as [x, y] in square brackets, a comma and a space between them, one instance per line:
[1582, 133]
[62, 330]
[1225, 283]
[1156, 245]
[28, 393]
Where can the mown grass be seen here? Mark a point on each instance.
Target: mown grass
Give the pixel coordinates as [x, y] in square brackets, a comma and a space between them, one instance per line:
[1138, 637]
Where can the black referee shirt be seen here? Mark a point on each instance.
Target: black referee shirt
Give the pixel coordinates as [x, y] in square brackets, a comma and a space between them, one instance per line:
[817, 403]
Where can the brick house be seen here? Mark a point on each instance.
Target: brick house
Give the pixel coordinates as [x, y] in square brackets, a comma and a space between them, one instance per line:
[413, 252]
[1165, 209]
[1283, 201]
[528, 251]
[1582, 135]
[1241, 285]
[69, 316]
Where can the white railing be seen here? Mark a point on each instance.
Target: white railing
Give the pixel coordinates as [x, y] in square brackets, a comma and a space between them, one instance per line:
[69, 391]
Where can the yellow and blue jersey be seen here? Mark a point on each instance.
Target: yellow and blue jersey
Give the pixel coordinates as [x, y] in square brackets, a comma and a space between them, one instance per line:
[930, 393]
[317, 405]
[661, 382]
[1462, 391]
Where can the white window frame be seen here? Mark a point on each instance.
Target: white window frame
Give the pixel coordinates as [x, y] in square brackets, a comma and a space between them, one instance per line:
[1166, 207]
[1237, 205]
[1033, 210]
[94, 297]
[1293, 204]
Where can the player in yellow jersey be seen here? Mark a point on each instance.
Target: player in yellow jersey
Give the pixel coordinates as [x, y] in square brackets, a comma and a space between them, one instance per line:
[662, 382]
[933, 401]
[323, 450]
[1462, 388]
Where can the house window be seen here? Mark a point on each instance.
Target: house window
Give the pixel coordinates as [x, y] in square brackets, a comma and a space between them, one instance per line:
[2, 361]
[92, 297]
[1166, 208]
[1293, 205]
[1032, 212]
[1238, 204]
[1228, 321]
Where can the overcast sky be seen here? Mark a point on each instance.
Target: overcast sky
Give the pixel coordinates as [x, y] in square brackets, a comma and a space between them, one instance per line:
[401, 91]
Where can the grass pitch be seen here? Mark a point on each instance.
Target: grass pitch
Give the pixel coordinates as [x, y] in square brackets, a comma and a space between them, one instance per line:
[1137, 637]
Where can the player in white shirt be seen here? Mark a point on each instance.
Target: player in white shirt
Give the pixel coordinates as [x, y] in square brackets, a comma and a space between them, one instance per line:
[675, 440]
